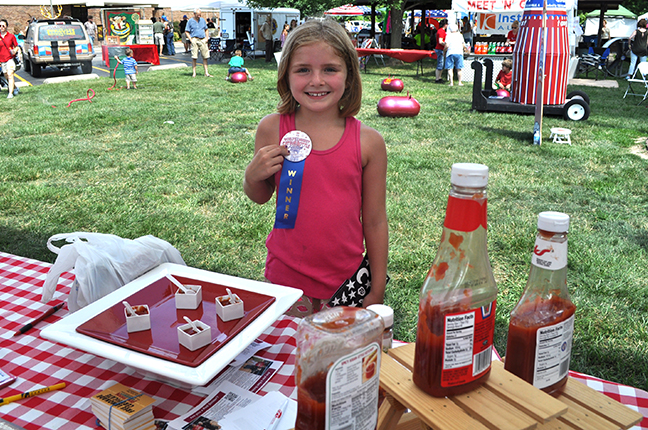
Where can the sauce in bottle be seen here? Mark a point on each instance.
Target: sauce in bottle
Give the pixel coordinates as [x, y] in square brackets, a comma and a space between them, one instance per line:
[541, 329]
[338, 363]
[454, 337]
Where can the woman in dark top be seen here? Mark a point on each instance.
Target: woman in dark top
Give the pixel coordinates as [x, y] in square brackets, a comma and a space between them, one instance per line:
[639, 46]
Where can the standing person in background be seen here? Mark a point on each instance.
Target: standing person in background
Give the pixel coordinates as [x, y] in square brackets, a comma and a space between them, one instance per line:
[466, 31]
[197, 32]
[605, 33]
[439, 49]
[454, 54]
[210, 23]
[158, 34]
[266, 32]
[511, 37]
[130, 68]
[284, 34]
[168, 36]
[293, 25]
[8, 48]
[183, 35]
[91, 29]
[638, 46]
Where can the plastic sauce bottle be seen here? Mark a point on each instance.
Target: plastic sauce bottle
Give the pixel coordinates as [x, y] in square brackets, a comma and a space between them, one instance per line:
[338, 365]
[454, 338]
[542, 323]
[387, 315]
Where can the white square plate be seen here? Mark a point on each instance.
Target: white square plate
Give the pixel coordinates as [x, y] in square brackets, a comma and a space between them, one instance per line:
[64, 331]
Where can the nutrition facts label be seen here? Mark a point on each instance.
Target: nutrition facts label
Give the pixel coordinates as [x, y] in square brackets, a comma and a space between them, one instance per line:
[553, 350]
[460, 332]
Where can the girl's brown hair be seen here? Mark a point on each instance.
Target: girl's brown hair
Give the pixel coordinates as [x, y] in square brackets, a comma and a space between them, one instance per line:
[328, 31]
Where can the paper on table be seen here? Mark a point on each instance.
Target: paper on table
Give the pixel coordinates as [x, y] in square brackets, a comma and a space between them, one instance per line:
[252, 375]
[258, 415]
[225, 399]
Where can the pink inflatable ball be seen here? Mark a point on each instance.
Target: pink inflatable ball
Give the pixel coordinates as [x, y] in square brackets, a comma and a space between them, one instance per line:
[238, 77]
[502, 93]
[397, 106]
[392, 84]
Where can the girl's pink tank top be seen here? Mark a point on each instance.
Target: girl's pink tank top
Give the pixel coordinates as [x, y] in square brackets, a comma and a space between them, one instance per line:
[327, 244]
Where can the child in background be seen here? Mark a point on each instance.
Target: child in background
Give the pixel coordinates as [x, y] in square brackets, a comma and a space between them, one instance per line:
[236, 65]
[130, 68]
[342, 201]
[504, 77]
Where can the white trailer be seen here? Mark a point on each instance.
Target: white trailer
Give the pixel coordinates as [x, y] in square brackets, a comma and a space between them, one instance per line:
[237, 19]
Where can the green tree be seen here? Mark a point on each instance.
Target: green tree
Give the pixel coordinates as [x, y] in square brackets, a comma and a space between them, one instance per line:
[637, 6]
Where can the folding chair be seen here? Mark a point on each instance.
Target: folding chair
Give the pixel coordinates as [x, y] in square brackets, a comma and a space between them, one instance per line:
[596, 62]
[639, 78]
[374, 45]
[248, 47]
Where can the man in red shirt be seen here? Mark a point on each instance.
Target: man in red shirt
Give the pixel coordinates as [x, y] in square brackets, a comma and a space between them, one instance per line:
[439, 49]
[8, 48]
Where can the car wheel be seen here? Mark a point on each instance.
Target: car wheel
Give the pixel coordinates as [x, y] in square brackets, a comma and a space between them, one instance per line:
[579, 95]
[86, 67]
[35, 70]
[27, 64]
[576, 110]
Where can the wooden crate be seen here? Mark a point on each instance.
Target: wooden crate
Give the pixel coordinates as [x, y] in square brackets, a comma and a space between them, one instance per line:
[504, 402]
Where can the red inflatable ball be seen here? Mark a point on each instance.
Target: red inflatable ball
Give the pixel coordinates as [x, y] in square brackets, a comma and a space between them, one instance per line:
[502, 93]
[238, 77]
[392, 84]
[395, 106]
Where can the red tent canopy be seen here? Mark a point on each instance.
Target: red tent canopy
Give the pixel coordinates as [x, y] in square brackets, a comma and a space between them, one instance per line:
[346, 10]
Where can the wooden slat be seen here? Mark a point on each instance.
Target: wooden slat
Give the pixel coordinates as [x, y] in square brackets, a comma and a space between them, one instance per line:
[601, 404]
[539, 405]
[525, 396]
[438, 413]
[411, 422]
[555, 425]
[390, 413]
[583, 418]
[493, 411]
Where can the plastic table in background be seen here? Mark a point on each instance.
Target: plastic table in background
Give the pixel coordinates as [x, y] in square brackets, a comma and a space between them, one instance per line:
[37, 362]
[406, 55]
[141, 53]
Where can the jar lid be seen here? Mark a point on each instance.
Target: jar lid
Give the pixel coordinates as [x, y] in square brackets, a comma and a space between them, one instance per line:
[385, 312]
[555, 222]
[469, 175]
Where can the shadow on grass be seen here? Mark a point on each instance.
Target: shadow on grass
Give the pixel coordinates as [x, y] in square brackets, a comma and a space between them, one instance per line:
[26, 244]
[518, 135]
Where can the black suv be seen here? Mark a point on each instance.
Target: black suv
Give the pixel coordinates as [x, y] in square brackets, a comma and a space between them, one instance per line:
[61, 43]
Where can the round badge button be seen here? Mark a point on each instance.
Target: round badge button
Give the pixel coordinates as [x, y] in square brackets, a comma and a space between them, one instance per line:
[299, 145]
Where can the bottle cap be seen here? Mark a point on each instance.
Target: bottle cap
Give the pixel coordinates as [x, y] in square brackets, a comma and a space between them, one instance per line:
[555, 222]
[385, 312]
[469, 175]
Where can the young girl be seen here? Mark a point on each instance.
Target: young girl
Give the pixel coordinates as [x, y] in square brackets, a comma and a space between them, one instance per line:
[284, 34]
[342, 199]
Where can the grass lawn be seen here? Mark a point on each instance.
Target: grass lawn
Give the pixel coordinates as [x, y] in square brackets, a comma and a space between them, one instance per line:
[116, 165]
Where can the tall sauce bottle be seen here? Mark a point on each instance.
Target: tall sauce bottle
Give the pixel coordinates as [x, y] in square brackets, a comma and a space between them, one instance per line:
[454, 338]
[541, 328]
[338, 365]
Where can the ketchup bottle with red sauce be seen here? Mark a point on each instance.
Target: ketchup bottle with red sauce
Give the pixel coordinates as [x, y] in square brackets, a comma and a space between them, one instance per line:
[454, 338]
[338, 366]
[542, 323]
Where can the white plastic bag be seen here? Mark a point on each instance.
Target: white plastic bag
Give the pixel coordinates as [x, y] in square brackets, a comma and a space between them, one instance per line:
[102, 263]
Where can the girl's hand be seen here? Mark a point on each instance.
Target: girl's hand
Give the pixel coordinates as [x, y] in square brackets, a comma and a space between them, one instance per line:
[266, 162]
[373, 298]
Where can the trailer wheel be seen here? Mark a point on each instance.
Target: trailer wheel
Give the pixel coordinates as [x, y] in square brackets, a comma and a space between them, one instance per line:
[576, 110]
[580, 95]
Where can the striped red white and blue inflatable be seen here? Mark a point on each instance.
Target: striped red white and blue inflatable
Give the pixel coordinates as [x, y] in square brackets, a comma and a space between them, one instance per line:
[527, 50]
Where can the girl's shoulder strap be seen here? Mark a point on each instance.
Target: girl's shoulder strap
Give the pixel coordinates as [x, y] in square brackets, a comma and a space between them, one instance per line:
[286, 123]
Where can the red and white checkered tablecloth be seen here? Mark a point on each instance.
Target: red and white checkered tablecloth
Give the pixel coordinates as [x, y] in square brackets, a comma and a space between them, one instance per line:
[38, 362]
